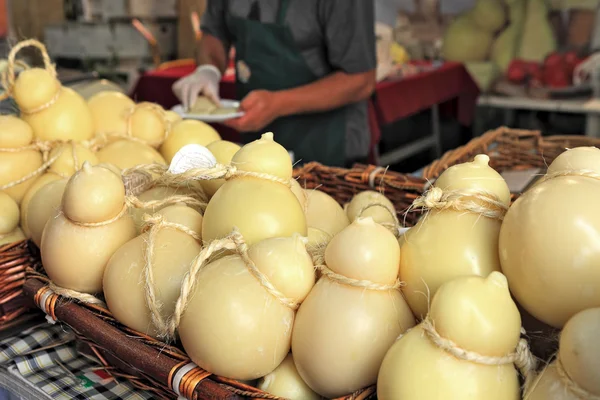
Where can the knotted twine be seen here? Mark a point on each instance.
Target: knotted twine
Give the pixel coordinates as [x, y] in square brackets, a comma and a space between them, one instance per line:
[570, 384]
[233, 242]
[474, 201]
[154, 224]
[130, 201]
[217, 171]
[522, 357]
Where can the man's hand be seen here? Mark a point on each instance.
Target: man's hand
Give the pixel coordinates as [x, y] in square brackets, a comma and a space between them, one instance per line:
[261, 107]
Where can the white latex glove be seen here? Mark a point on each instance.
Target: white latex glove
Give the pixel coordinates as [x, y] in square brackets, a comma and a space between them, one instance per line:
[205, 80]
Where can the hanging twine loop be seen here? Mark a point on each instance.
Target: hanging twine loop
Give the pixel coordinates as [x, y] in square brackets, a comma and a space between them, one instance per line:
[9, 77]
[570, 384]
[154, 224]
[474, 201]
[233, 242]
[522, 358]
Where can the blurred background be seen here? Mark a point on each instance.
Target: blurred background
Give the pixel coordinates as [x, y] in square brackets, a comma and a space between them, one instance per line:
[448, 70]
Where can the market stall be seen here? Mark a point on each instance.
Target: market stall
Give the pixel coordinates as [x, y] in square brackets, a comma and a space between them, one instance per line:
[448, 86]
[146, 254]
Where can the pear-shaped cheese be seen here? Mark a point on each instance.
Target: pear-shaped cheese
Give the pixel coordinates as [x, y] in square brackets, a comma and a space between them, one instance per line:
[174, 251]
[575, 373]
[449, 243]
[258, 207]
[54, 112]
[333, 356]
[478, 315]
[78, 242]
[233, 326]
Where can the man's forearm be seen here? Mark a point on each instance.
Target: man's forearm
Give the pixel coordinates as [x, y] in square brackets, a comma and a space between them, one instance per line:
[333, 91]
[211, 51]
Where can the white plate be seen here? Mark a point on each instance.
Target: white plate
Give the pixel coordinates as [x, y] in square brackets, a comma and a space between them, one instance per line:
[209, 117]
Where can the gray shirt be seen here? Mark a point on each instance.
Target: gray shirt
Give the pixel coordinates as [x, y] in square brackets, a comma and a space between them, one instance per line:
[333, 35]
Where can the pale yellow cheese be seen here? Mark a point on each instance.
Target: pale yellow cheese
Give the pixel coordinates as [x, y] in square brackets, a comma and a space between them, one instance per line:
[15, 236]
[128, 154]
[324, 213]
[372, 204]
[448, 243]
[259, 207]
[75, 255]
[54, 112]
[70, 158]
[148, 123]
[332, 355]
[38, 183]
[187, 132]
[174, 251]
[9, 214]
[578, 358]
[15, 165]
[286, 382]
[44, 205]
[110, 110]
[223, 152]
[478, 315]
[233, 327]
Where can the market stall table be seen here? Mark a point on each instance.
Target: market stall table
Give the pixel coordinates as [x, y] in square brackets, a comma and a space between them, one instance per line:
[449, 85]
[588, 107]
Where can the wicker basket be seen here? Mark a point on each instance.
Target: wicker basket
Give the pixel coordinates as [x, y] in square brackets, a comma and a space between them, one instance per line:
[510, 149]
[152, 365]
[14, 260]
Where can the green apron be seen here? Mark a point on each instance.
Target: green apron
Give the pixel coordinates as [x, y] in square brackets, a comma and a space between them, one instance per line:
[275, 63]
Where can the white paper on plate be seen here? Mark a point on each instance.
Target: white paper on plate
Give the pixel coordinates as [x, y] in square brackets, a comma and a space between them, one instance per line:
[192, 156]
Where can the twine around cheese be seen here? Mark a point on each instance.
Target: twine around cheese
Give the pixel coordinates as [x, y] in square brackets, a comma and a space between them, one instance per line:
[233, 242]
[473, 201]
[522, 358]
[102, 138]
[154, 224]
[45, 148]
[571, 385]
[9, 77]
[218, 171]
[318, 256]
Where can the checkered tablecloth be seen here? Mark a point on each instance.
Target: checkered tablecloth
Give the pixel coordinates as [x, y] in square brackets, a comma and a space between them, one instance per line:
[46, 358]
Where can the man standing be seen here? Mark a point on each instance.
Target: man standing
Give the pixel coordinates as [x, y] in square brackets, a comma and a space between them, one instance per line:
[304, 70]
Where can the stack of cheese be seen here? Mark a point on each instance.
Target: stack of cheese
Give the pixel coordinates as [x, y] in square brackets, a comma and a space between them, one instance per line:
[284, 288]
[58, 131]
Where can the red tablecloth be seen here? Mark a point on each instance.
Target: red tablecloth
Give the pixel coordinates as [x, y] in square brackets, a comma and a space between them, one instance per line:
[450, 86]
